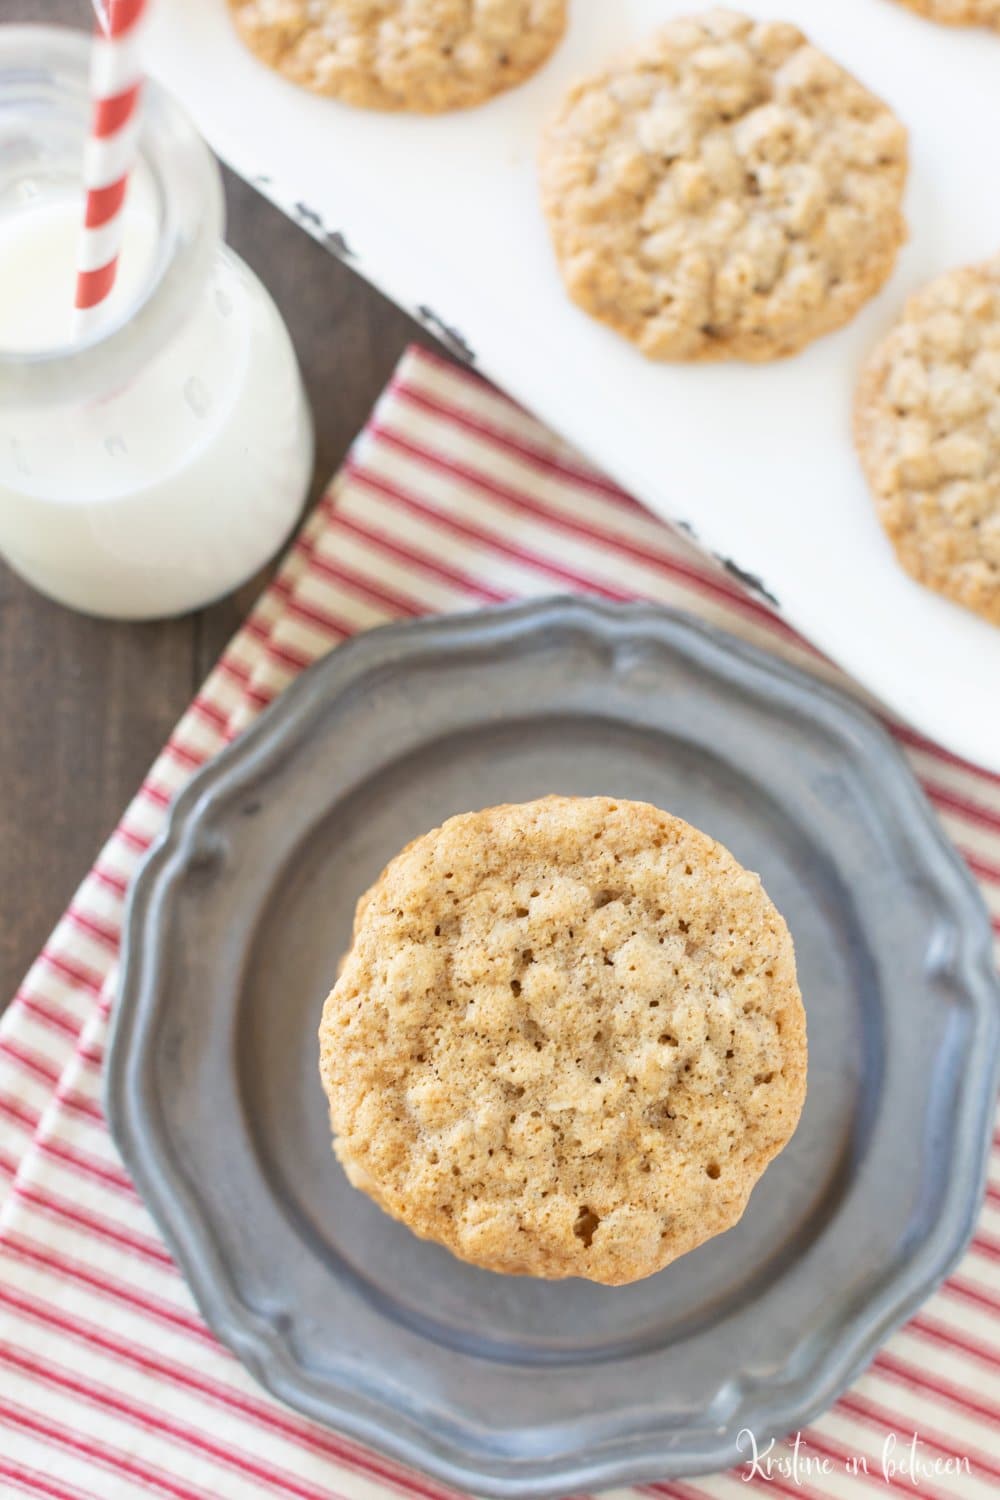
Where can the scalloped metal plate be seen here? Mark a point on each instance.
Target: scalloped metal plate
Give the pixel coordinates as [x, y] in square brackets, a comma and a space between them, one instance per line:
[507, 1386]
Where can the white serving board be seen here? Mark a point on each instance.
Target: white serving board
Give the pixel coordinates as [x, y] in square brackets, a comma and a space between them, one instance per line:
[443, 214]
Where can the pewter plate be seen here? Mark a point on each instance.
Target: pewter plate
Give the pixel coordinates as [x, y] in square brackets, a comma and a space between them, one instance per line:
[507, 1386]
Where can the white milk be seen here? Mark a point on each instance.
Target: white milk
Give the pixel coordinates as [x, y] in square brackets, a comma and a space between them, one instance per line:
[155, 498]
[38, 245]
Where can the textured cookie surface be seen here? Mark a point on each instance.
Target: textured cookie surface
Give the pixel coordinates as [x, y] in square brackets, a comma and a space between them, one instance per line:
[567, 1038]
[724, 191]
[958, 12]
[421, 55]
[927, 427]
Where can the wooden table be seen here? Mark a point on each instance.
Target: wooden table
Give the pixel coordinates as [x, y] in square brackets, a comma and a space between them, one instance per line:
[86, 704]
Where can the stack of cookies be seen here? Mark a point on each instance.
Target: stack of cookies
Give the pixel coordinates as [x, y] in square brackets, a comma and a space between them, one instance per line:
[567, 1039]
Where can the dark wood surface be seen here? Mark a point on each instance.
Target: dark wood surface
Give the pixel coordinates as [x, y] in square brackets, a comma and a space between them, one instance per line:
[86, 704]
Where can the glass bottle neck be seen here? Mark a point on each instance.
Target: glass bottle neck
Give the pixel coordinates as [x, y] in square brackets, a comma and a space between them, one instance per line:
[44, 120]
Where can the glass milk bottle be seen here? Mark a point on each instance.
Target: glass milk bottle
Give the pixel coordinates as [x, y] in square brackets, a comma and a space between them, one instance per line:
[160, 462]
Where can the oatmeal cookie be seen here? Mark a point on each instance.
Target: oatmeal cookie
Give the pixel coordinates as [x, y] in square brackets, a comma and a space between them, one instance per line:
[419, 55]
[927, 428]
[958, 12]
[567, 1038]
[724, 191]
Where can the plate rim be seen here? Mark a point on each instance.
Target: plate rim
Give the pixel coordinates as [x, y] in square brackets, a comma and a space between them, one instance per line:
[261, 1346]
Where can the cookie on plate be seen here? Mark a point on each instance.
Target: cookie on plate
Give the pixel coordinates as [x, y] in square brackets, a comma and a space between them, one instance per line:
[419, 55]
[958, 12]
[927, 428]
[567, 1038]
[724, 191]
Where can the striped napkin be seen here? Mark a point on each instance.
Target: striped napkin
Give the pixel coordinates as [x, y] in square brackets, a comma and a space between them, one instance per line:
[110, 1384]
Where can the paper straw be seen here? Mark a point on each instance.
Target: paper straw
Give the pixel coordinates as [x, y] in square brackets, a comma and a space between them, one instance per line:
[116, 83]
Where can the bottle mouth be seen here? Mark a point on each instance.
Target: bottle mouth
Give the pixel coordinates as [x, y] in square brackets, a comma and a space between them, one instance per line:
[45, 112]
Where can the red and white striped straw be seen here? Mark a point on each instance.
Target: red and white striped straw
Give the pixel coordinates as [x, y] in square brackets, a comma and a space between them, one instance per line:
[116, 81]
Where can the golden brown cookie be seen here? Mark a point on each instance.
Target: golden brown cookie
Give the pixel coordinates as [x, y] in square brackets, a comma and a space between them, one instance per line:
[567, 1038]
[927, 428]
[419, 55]
[958, 12]
[724, 191]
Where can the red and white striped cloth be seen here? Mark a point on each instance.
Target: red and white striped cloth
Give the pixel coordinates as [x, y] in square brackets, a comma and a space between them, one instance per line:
[110, 1384]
